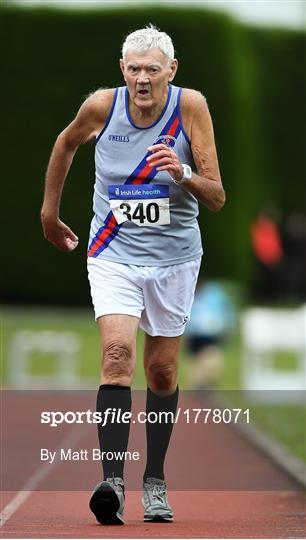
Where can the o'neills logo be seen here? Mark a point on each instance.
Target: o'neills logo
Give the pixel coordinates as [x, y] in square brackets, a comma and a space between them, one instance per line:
[118, 138]
[168, 140]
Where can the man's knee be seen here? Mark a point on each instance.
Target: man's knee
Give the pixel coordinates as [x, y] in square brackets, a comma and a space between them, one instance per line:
[117, 363]
[161, 375]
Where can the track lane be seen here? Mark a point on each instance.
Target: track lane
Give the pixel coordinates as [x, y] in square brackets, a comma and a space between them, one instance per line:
[197, 515]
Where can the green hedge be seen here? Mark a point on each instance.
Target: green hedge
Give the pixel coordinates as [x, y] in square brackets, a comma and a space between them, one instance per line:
[255, 86]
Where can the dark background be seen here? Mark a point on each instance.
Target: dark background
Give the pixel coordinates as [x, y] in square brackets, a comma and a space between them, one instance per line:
[254, 82]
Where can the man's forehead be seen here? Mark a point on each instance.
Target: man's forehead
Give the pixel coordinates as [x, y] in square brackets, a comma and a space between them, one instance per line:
[151, 56]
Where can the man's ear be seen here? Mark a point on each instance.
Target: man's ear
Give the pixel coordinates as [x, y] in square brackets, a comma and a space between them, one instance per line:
[121, 63]
[173, 68]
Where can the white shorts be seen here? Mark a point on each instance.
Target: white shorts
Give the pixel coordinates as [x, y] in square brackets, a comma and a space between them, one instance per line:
[160, 296]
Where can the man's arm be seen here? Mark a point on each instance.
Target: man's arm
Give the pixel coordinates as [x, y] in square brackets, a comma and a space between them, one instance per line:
[206, 184]
[86, 125]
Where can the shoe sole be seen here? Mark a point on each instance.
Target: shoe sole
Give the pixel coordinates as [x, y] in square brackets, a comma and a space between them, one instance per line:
[105, 504]
[158, 519]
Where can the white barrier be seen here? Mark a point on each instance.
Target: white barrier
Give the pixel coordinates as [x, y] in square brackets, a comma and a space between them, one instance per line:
[64, 346]
[265, 332]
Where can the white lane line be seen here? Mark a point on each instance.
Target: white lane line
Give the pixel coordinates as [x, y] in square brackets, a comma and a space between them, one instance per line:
[70, 440]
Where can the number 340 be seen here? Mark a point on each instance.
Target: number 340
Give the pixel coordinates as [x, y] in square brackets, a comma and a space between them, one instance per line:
[149, 212]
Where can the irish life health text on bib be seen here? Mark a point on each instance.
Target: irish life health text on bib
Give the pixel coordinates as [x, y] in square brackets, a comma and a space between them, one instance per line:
[146, 205]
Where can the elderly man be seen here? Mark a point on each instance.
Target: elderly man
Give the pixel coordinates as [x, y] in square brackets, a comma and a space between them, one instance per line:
[155, 158]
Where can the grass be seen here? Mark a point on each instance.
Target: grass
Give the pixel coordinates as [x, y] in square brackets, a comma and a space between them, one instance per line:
[82, 324]
[285, 422]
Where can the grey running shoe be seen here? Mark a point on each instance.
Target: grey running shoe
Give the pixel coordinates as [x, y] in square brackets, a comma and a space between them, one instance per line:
[107, 501]
[155, 501]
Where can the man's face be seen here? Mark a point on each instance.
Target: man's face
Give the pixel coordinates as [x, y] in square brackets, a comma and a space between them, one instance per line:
[147, 75]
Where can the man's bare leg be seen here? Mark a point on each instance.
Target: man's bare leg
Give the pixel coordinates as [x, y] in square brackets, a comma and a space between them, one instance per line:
[160, 361]
[118, 346]
[118, 350]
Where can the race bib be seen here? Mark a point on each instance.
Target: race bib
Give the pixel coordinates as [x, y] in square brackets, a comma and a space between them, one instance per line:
[145, 205]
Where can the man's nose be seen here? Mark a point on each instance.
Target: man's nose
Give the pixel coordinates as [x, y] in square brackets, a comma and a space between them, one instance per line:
[142, 77]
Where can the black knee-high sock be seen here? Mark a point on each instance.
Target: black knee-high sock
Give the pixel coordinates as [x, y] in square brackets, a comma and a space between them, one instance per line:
[159, 433]
[113, 437]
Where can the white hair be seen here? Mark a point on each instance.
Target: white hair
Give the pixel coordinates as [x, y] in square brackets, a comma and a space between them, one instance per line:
[147, 38]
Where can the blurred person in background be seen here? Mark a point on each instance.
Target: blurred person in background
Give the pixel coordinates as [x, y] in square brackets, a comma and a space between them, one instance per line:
[211, 322]
[267, 248]
[155, 158]
[279, 247]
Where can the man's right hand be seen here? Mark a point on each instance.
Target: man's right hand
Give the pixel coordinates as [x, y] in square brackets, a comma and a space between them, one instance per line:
[58, 234]
[87, 124]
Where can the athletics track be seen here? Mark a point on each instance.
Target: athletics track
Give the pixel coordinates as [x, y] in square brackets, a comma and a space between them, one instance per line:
[37, 511]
